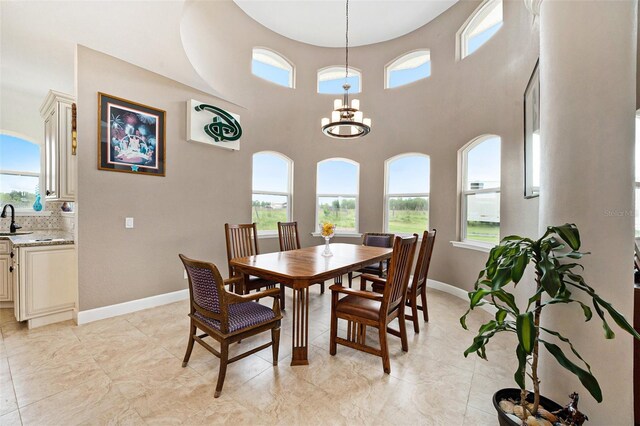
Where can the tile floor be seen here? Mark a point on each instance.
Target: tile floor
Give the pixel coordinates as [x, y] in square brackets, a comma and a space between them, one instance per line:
[127, 370]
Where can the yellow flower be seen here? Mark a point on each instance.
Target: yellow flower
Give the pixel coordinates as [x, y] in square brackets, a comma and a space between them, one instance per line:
[327, 229]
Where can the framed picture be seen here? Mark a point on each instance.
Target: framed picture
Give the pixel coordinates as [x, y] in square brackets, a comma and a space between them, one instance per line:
[532, 135]
[131, 137]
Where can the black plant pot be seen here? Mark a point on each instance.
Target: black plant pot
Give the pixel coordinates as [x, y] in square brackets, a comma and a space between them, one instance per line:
[514, 394]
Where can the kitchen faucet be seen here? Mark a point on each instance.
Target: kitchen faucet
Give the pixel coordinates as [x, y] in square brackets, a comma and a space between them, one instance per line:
[13, 228]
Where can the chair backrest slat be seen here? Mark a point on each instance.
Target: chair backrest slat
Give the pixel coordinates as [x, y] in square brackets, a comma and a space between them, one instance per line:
[398, 277]
[288, 236]
[424, 259]
[242, 241]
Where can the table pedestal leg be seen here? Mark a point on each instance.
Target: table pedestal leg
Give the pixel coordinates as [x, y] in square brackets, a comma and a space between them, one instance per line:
[299, 354]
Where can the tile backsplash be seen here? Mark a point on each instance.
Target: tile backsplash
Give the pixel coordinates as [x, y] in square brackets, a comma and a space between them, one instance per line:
[55, 221]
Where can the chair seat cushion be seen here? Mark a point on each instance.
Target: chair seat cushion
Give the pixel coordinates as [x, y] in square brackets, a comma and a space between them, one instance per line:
[374, 269]
[241, 315]
[359, 306]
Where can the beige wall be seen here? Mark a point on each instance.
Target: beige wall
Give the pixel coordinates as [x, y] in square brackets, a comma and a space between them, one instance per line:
[206, 187]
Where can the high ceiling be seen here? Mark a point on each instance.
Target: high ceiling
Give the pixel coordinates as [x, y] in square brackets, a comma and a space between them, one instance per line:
[322, 23]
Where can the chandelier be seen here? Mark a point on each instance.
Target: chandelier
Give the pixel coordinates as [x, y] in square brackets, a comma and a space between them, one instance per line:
[346, 120]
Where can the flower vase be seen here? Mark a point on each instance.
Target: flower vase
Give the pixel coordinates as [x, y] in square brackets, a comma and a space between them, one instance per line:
[37, 206]
[327, 247]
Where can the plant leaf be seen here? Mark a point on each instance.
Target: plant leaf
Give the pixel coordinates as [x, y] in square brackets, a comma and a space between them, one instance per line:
[476, 296]
[501, 278]
[586, 378]
[567, 341]
[608, 333]
[519, 267]
[569, 233]
[526, 331]
[522, 365]
[500, 316]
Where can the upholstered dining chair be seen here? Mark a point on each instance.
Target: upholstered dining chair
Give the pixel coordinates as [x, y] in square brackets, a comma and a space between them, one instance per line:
[362, 309]
[242, 241]
[375, 239]
[290, 240]
[418, 283]
[226, 317]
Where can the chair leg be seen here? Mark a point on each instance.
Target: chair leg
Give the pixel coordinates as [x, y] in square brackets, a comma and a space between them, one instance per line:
[350, 275]
[334, 325]
[187, 355]
[425, 311]
[322, 287]
[386, 365]
[224, 356]
[403, 330]
[275, 344]
[282, 306]
[414, 314]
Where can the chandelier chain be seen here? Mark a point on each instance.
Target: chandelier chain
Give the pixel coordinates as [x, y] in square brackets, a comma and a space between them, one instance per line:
[346, 67]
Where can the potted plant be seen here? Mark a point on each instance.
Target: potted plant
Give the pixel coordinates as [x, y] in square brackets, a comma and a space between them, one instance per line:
[556, 277]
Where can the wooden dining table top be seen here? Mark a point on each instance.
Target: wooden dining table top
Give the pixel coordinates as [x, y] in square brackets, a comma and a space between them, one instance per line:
[308, 264]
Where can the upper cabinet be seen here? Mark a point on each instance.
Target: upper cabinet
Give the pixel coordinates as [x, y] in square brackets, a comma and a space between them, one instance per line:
[60, 165]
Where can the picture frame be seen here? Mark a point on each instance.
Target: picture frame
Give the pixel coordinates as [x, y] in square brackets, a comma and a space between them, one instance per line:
[131, 137]
[532, 135]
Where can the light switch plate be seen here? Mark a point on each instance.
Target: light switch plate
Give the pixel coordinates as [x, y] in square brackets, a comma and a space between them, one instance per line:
[128, 222]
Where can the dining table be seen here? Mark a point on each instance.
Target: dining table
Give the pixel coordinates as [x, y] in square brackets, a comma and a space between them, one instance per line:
[299, 269]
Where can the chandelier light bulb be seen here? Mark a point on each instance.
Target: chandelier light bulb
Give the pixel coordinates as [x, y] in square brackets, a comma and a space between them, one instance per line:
[324, 122]
[337, 104]
[355, 104]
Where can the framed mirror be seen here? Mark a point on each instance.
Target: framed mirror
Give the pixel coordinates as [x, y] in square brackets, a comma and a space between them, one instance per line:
[532, 135]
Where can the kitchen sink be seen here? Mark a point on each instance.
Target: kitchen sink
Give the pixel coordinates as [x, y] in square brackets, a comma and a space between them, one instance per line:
[9, 234]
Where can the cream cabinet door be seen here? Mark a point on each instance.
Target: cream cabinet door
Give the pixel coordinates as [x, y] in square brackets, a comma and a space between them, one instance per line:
[5, 279]
[48, 282]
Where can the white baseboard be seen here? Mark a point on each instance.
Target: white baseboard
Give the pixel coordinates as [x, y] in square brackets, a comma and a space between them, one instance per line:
[110, 311]
[458, 292]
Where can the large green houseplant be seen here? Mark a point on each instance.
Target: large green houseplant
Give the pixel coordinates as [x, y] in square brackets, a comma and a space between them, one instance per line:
[556, 277]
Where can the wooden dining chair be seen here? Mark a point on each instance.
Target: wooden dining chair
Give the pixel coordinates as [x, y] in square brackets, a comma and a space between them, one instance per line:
[374, 239]
[362, 309]
[242, 241]
[418, 283]
[290, 240]
[226, 317]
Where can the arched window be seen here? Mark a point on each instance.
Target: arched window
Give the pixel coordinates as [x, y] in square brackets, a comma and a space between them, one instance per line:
[337, 187]
[331, 79]
[480, 203]
[19, 172]
[483, 24]
[408, 68]
[406, 194]
[272, 191]
[272, 67]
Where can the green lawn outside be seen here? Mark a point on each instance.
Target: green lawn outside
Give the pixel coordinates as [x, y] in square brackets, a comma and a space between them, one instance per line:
[267, 219]
[343, 219]
[408, 221]
[483, 231]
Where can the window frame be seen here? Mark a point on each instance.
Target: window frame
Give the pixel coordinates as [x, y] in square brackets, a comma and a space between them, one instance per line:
[478, 14]
[356, 71]
[388, 195]
[268, 51]
[387, 68]
[288, 194]
[336, 195]
[22, 211]
[464, 192]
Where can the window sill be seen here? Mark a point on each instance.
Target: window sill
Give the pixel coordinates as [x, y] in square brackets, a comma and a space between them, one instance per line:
[32, 213]
[486, 248]
[341, 234]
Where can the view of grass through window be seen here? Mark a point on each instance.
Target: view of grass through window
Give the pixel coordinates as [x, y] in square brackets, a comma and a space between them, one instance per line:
[271, 191]
[19, 171]
[407, 194]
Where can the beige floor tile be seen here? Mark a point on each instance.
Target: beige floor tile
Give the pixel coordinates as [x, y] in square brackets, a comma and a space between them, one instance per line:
[7, 316]
[11, 419]
[42, 341]
[482, 390]
[96, 402]
[8, 402]
[475, 417]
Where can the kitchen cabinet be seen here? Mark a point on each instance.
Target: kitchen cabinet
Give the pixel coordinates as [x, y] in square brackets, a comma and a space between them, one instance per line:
[45, 284]
[6, 293]
[60, 166]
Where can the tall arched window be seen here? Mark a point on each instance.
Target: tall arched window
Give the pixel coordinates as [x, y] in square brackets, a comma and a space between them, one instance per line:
[406, 195]
[480, 203]
[331, 79]
[337, 187]
[410, 67]
[19, 171]
[272, 191]
[483, 24]
[272, 67]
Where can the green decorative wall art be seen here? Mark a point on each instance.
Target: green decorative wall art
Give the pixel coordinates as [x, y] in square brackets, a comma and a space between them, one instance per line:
[213, 125]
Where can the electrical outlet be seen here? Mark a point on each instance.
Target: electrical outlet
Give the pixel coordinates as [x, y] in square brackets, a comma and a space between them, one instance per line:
[128, 222]
[185, 274]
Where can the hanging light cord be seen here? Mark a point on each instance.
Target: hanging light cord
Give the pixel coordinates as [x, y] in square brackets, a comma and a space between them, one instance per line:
[346, 36]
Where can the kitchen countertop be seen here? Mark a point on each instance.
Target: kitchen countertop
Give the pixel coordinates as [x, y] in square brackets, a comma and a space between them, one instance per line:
[40, 238]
